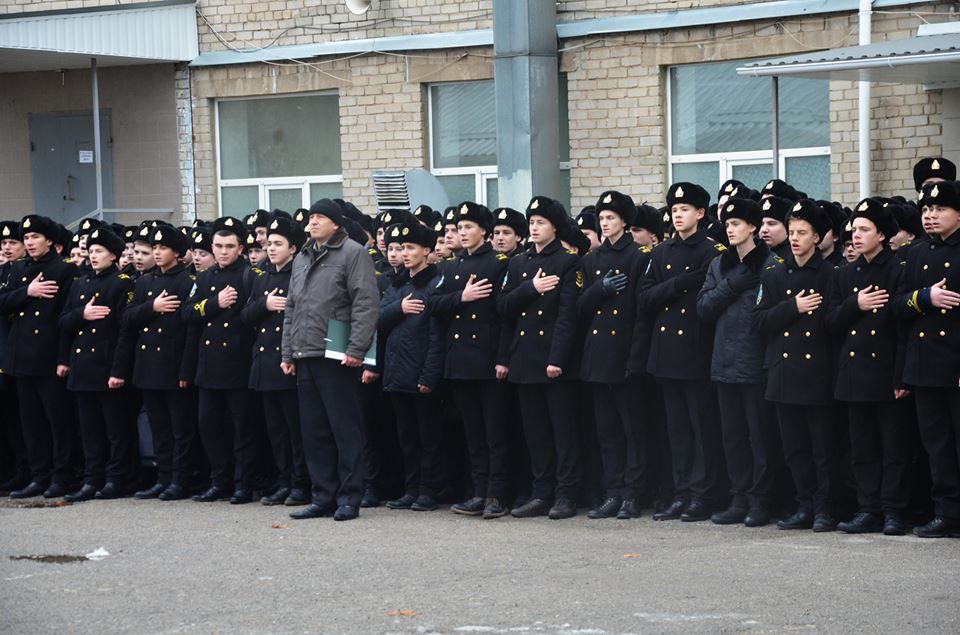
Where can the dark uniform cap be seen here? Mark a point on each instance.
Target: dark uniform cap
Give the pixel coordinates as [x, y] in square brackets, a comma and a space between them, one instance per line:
[252, 242]
[782, 189]
[424, 214]
[392, 234]
[279, 213]
[570, 233]
[878, 213]
[808, 210]
[416, 233]
[689, 194]
[143, 233]
[10, 230]
[729, 186]
[944, 194]
[107, 239]
[511, 218]
[64, 236]
[450, 215]
[354, 231]
[588, 220]
[199, 223]
[477, 213]
[618, 203]
[259, 218]
[87, 225]
[171, 237]
[231, 225]
[743, 208]
[838, 218]
[932, 168]
[908, 216]
[289, 229]
[301, 216]
[327, 208]
[34, 223]
[202, 238]
[394, 216]
[742, 191]
[552, 210]
[776, 208]
[186, 230]
[129, 233]
[74, 240]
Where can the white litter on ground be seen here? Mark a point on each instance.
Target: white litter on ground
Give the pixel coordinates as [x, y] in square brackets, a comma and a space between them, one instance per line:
[98, 554]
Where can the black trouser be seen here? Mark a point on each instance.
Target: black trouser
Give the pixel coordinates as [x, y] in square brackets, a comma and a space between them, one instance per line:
[228, 435]
[620, 435]
[880, 451]
[376, 413]
[938, 413]
[109, 436]
[483, 406]
[47, 422]
[809, 437]
[549, 413]
[17, 466]
[420, 432]
[746, 444]
[694, 432]
[330, 421]
[173, 428]
[657, 442]
[281, 412]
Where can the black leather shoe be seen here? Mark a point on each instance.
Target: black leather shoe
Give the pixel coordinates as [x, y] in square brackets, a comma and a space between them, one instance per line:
[31, 490]
[563, 508]
[404, 502]
[894, 524]
[311, 511]
[174, 492]
[677, 507]
[629, 509]
[346, 512]
[757, 517]
[151, 492]
[85, 493]
[241, 496]
[472, 507]
[695, 512]
[56, 490]
[939, 527]
[494, 509]
[109, 491]
[370, 499]
[214, 493]
[608, 509]
[801, 519]
[297, 497]
[531, 509]
[729, 516]
[13, 484]
[424, 503]
[862, 523]
[824, 522]
[277, 498]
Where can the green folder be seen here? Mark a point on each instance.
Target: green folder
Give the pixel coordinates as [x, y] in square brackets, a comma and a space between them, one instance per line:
[338, 337]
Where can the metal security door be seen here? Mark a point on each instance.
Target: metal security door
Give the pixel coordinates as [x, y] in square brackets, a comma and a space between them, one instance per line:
[62, 162]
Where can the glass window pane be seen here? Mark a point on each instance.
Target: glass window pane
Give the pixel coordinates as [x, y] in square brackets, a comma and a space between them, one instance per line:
[324, 190]
[464, 124]
[810, 175]
[261, 138]
[754, 176]
[493, 193]
[706, 175]
[715, 110]
[459, 187]
[287, 199]
[239, 201]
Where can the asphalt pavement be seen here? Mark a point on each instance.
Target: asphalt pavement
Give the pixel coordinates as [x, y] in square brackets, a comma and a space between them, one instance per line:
[185, 567]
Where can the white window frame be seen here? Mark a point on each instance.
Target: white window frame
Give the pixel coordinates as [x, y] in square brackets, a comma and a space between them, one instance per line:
[481, 173]
[264, 185]
[727, 160]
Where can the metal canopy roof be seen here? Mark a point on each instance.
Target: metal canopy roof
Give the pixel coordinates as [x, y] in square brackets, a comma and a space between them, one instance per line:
[131, 34]
[932, 60]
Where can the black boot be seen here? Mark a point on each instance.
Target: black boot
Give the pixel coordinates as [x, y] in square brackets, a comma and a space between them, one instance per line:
[894, 524]
[673, 512]
[801, 519]
[608, 509]
[862, 523]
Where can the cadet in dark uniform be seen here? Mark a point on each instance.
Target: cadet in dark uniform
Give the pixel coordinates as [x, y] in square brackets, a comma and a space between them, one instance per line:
[475, 365]
[278, 391]
[17, 468]
[791, 307]
[607, 308]
[34, 295]
[587, 224]
[868, 373]
[726, 301]
[680, 354]
[773, 229]
[539, 308]
[509, 231]
[223, 365]
[91, 326]
[927, 301]
[933, 170]
[157, 353]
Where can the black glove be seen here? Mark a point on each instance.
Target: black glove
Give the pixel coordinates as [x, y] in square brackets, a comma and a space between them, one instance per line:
[742, 281]
[613, 283]
[690, 280]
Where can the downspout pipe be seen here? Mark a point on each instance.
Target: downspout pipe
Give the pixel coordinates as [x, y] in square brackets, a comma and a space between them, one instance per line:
[866, 17]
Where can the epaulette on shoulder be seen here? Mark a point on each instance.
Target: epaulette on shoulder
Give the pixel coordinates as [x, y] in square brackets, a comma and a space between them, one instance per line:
[501, 256]
[719, 247]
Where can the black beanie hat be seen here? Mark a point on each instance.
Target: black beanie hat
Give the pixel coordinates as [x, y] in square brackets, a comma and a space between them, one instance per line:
[328, 208]
[107, 239]
[618, 203]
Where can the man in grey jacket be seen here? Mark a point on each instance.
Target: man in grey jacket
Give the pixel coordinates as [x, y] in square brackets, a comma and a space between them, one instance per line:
[332, 279]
